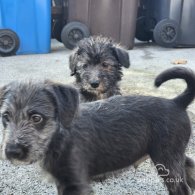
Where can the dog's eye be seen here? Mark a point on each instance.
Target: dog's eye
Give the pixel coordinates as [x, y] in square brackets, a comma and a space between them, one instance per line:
[36, 118]
[6, 117]
[85, 66]
[105, 65]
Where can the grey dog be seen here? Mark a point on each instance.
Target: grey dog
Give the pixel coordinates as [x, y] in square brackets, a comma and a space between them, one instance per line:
[75, 142]
[96, 64]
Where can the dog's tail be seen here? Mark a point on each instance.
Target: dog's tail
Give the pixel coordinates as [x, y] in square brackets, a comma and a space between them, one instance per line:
[188, 75]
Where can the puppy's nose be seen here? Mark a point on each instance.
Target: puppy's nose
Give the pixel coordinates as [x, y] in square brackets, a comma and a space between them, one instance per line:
[14, 151]
[95, 84]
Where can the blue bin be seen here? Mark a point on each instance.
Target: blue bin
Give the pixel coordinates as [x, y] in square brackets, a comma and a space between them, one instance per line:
[31, 21]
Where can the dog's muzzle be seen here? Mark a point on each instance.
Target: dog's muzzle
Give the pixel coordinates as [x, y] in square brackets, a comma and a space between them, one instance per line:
[95, 84]
[15, 151]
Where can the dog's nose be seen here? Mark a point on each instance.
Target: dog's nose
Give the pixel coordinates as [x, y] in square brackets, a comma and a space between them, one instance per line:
[14, 151]
[95, 84]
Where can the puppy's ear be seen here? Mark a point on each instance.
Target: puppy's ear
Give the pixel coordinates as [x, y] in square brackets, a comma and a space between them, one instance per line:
[73, 59]
[67, 102]
[122, 56]
[3, 91]
[72, 63]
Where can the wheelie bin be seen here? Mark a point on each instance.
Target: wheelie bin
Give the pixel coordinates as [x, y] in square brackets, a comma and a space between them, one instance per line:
[25, 26]
[170, 23]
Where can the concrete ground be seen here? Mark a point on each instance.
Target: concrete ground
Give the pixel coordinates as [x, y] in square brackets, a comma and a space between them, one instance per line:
[146, 62]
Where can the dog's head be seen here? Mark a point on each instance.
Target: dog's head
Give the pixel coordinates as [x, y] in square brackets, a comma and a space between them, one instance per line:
[31, 114]
[96, 64]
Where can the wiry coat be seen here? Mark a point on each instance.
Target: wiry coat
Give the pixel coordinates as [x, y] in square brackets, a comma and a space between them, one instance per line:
[89, 139]
[97, 65]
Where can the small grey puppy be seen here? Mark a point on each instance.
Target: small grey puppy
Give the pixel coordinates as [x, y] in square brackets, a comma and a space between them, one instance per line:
[97, 65]
[74, 143]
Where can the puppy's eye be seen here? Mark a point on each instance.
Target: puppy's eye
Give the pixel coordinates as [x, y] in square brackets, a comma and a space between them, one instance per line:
[105, 65]
[85, 66]
[6, 117]
[36, 118]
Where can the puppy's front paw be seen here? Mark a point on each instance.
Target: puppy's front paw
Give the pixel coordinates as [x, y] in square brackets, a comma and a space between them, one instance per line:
[76, 190]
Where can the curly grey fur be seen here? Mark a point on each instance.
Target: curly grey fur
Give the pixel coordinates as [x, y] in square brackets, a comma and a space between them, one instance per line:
[98, 60]
[76, 142]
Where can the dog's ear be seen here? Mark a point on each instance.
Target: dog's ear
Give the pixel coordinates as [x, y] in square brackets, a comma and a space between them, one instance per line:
[72, 64]
[67, 102]
[122, 56]
[3, 91]
[73, 59]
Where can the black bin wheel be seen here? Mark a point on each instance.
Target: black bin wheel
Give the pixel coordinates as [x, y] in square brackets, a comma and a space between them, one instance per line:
[73, 32]
[143, 27]
[56, 30]
[9, 42]
[166, 33]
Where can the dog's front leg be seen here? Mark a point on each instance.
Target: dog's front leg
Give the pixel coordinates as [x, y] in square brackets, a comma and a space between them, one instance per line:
[72, 180]
[69, 190]
[74, 189]
[73, 186]
[60, 188]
